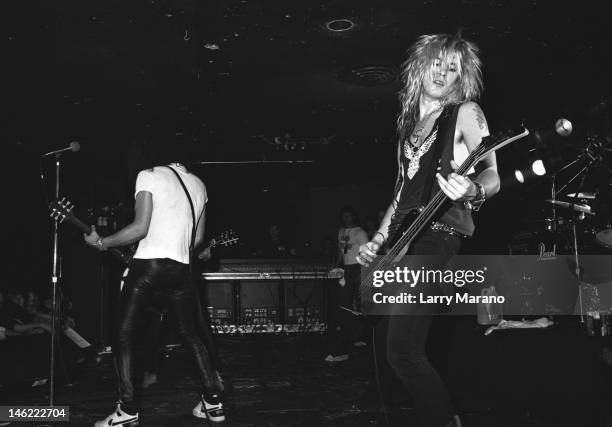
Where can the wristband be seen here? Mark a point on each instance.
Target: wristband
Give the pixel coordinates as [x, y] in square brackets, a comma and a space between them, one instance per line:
[99, 244]
[477, 201]
[381, 235]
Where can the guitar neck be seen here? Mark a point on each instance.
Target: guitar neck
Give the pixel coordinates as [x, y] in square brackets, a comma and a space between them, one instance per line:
[432, 207]
[438, 199]
[86, 228]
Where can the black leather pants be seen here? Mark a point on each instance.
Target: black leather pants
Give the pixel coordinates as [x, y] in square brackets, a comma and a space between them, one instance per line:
[150, 279]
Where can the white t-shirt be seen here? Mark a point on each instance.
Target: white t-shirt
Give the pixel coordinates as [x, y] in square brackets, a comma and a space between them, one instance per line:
[169, 233]
[349, 240]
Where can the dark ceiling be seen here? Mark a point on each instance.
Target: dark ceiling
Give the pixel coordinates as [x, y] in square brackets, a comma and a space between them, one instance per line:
[97, 71]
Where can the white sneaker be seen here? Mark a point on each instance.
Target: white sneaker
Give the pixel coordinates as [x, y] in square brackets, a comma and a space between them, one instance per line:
[205, 410]
[359, 344]
[340, 358]
[118, 418]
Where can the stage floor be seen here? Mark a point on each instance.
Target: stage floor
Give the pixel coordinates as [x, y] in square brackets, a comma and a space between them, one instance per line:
[282, 381]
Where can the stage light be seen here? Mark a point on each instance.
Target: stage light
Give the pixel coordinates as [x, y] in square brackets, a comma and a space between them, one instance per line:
[529, 166]
[526, 172]
[538, 167]
[519, 176]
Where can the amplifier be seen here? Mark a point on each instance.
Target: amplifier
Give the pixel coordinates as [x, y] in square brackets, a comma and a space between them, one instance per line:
[273, 265]
[218, 299]
[305, 302]
[259, 302]
[247, 299]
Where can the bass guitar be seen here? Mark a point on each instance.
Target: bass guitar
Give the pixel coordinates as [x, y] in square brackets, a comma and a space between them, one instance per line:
[399, 243]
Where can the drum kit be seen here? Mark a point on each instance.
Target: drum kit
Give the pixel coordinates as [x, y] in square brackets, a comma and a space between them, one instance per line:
[596, 227]
[578, 224]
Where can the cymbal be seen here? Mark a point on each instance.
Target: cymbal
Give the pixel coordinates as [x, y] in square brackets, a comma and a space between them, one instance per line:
[575, 206]
[581, 195]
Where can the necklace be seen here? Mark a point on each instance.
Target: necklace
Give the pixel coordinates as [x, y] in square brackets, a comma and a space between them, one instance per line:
[414, 154]
[418, 132]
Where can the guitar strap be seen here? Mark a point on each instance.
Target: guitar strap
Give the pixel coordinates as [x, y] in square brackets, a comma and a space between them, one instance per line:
[441, 142]
[193, 225]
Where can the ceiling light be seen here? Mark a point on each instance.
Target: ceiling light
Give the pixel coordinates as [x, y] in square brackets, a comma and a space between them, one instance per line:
[340, 25]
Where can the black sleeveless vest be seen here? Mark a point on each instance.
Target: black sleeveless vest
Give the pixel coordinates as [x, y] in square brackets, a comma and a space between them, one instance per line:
[409, 191]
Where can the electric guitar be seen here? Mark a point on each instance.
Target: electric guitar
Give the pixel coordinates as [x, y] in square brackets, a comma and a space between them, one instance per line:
[225, 239]
[415, 221]
[62, 210]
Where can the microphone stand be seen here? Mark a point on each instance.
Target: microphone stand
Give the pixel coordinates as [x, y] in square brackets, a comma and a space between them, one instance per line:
[55, 276]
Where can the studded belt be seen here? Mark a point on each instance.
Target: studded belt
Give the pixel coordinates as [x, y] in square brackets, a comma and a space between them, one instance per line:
[439, 226]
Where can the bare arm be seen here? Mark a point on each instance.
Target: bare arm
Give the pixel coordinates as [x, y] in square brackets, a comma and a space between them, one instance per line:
[472, 126]
[367, 251]
[383, 228]
[200, 229]
[132, 232]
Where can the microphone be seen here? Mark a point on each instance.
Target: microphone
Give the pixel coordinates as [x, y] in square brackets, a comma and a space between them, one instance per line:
[74, 146]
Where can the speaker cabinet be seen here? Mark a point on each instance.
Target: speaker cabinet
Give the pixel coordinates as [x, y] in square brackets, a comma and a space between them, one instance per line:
[260, 301]
[218, 300]
[305, 301]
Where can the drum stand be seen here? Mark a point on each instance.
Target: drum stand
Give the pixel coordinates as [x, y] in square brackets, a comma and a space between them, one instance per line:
[593, 159]
[578, 272]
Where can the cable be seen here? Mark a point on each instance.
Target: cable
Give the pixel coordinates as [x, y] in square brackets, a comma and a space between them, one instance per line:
[377, 376]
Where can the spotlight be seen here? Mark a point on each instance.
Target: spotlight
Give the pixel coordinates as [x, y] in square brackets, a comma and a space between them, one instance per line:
[538, 167]
[519, 176]
[530, 167]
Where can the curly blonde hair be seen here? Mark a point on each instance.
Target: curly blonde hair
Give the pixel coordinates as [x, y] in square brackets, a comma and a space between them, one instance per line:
[421, 56]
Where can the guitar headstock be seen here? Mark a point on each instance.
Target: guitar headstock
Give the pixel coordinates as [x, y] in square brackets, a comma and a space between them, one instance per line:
[60, 209]
[489, 144]
[226, 238]
[495, 142]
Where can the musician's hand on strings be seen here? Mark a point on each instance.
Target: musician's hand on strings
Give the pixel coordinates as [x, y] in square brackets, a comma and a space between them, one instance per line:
[367, 253]
[457, 187]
